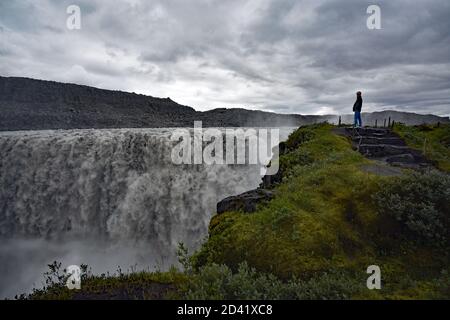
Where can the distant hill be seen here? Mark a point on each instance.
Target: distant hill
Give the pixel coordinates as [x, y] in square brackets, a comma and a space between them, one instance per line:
[29, 104]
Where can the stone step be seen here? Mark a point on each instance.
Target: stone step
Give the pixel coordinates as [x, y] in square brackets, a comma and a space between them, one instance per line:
[414, 166]
[381, 150]
[383, 140]
[374, 130]
[412, 159]
[370, 132]
[385, 134]
[403, 158]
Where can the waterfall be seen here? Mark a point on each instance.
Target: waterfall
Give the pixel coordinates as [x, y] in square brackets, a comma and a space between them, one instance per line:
[102, 197]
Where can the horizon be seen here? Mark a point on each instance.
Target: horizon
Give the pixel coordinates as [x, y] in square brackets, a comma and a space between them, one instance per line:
[242, 108]
[290, 57]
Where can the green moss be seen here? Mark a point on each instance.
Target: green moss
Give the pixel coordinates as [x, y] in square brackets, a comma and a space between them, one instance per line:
[432, 140]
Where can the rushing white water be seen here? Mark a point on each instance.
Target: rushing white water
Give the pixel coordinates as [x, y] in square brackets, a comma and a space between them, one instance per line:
[102, 197]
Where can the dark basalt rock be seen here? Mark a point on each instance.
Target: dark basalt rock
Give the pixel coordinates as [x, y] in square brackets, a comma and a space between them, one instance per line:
[269, 182]
[245, 202]
[248, 201]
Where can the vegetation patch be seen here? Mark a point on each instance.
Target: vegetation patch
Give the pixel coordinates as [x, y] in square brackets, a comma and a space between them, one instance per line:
[432, 140]
[120, 285]
[421, 202]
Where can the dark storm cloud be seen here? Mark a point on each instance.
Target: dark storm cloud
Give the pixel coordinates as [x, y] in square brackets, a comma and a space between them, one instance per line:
[286, 56]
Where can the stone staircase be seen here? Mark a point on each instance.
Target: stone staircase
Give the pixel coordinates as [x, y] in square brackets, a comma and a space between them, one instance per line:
[384, 145]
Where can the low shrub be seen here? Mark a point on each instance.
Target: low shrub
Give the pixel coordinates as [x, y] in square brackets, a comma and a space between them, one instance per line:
[421, 202]
[215, 281]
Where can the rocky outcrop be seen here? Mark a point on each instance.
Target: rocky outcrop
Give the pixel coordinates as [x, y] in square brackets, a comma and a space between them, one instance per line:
[268, 182]
[246, 202]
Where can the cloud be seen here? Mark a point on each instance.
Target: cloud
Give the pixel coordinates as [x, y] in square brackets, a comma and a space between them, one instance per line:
[286, 56]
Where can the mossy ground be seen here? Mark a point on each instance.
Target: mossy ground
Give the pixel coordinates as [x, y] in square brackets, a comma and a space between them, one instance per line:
[432, 140]
[317, 236]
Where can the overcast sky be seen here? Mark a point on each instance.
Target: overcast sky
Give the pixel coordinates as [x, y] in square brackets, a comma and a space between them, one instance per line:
[289, 56]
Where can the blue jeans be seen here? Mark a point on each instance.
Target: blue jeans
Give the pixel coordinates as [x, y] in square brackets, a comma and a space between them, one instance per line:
[358, 121]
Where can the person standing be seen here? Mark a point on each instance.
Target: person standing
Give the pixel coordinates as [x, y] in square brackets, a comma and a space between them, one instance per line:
[357, 106]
